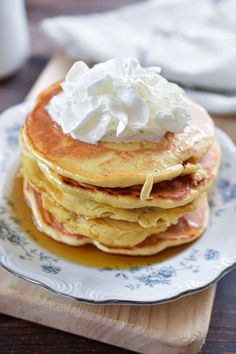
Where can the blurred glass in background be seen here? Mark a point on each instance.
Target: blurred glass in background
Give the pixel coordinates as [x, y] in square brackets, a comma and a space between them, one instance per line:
[14, 36]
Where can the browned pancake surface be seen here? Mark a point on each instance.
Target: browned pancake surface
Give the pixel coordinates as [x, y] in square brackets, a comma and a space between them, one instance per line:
[115, 164]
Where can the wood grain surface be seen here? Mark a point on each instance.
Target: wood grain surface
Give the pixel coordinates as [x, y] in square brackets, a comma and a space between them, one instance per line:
[19, 336]
[178, 327]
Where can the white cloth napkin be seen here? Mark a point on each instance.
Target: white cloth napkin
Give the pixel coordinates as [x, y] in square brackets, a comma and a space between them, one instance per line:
[194, 42]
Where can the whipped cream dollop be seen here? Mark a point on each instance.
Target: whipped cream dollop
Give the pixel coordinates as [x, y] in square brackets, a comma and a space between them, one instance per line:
[118, 100]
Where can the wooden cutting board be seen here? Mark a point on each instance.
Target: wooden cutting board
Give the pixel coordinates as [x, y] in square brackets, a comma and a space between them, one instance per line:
[178, 327]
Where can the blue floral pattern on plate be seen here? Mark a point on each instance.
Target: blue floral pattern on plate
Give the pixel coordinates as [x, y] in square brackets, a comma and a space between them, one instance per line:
[195, 268]
[163, 275]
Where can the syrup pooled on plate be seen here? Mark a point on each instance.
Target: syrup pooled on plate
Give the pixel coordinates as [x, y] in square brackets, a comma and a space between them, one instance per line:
[87, 255]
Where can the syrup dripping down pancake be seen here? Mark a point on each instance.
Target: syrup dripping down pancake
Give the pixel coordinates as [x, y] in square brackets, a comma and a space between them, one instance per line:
[167, 194]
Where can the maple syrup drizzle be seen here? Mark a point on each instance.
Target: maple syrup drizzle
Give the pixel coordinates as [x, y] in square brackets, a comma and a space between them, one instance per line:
[87, 255]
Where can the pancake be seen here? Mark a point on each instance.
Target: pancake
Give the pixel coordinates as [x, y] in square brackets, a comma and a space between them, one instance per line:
[181, 233]
[145, 217]
[133, 198]
[47, 223]
[167, 194]
[115, 164]
[105, 230]
[188, 228]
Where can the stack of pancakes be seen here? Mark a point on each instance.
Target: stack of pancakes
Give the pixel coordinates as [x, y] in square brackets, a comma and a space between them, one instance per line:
[134, 198]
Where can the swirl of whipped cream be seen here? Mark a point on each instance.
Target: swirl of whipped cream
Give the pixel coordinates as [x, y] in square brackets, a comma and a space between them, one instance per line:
[118, 101]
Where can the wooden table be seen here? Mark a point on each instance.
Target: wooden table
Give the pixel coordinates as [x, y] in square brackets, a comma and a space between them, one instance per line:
[19, 336]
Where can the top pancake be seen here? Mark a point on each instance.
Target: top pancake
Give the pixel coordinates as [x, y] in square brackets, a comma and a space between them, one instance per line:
[115, 164]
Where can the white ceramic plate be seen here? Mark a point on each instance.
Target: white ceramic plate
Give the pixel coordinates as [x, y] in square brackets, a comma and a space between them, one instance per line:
[195, 268]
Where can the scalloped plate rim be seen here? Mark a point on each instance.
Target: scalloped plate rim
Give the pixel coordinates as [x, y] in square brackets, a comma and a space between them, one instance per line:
[120, 302]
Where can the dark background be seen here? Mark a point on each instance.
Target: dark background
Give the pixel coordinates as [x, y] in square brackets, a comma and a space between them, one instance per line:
[21, 337]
